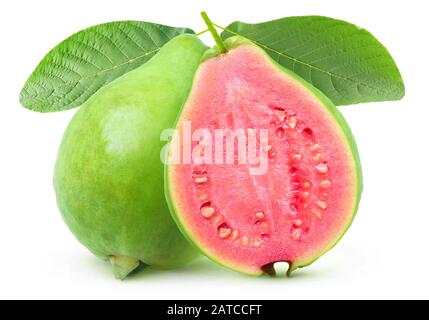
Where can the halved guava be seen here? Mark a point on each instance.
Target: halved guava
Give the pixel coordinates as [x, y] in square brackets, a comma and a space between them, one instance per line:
[307, 198]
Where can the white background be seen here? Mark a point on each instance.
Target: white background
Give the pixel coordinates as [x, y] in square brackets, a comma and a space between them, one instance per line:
[384, 255]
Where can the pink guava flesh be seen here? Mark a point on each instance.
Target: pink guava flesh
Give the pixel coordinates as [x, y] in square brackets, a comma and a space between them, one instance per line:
[301, 206]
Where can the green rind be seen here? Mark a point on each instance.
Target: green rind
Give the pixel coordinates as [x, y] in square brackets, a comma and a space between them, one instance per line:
[109, 177]
[232, 43]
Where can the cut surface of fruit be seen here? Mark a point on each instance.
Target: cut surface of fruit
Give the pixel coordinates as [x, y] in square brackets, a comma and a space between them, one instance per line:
[301, 206]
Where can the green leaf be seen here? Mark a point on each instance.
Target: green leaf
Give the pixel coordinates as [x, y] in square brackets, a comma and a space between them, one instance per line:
[344, 61]
[83, 63]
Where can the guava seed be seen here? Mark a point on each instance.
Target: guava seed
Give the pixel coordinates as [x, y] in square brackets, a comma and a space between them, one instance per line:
[322, 204]
[315, 147]
[201, 151]
[245, 241]
[264, 225]
[257, 242]
[268, 148]
[207, 212]
[297, 222]
[254, 161]
[291, 122]
[224, 232]
[296, 234]
[203, 143]
[200, 180]
[317, 157]
[203, 196]
[234, 235]
[306, 184]
[297, 157]
[322, 168]
[217, 219]
[325, 184]
[260, 215]
[280, 114]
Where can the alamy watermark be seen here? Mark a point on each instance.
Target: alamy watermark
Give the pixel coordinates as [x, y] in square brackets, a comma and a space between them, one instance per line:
[222, 147]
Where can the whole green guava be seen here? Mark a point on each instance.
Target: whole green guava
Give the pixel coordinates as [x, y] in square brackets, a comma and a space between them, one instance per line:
[109, 176]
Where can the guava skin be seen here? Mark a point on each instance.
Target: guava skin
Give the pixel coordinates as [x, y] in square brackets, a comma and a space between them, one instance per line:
[109, 178]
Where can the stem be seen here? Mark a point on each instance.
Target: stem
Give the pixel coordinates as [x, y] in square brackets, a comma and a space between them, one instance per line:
[216, 37]
[123, 266]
